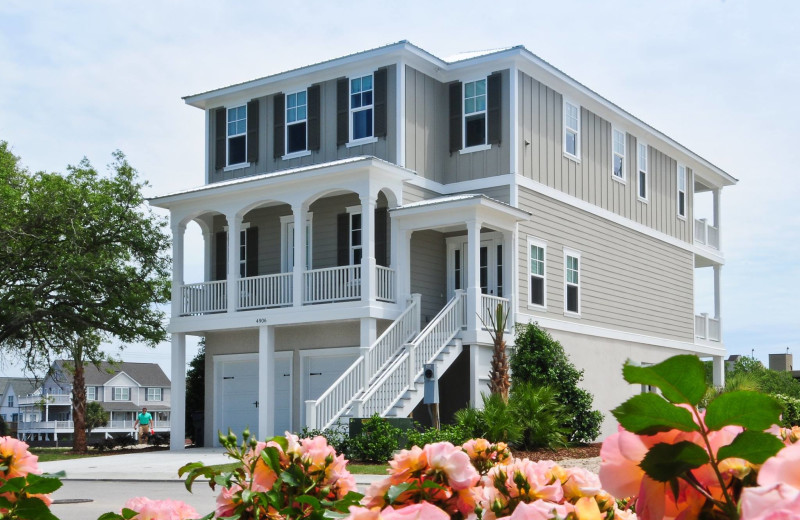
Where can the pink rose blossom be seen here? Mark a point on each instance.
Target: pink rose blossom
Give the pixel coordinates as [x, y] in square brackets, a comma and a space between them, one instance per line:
[453, 462]
[538, 510]
[19, 460]
[160, 509]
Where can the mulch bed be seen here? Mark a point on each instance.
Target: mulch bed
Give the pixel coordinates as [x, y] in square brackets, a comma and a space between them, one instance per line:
[583, 451]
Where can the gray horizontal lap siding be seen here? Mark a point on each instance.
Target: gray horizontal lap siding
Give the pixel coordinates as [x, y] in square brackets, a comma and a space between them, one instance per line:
[542, 160]
[384, 148]
[629, 281]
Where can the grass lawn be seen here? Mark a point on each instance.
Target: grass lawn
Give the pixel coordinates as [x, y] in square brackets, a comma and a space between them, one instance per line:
[51, 454]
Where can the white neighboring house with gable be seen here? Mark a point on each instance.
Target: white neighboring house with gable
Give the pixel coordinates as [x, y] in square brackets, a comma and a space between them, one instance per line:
[358, 215]
[121, 388]
[10, 390]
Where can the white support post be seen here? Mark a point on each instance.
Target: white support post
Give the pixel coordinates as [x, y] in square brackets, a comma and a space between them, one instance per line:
[510, 282]
[177, 268]
[411, 372]
[416, 299]
[234, 228]
[401, 261]
[717, 193]
[368, 262]
[208, 248]
[266, 371]
[311, 416]
[300, 260]
[717, 292]
[178, 393]
[718, 371]
[473, 273]
[369, 333]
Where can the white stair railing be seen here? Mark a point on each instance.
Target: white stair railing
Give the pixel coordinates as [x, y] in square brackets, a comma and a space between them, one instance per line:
[324, 411]
[402, 374]
[488, 310]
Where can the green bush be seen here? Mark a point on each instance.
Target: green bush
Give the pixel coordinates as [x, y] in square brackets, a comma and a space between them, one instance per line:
[539, 415]
[791, 410]
[376, 443]
[541, 360]
[495, 422]
[335, 435]
[769, 381]
[452, 433]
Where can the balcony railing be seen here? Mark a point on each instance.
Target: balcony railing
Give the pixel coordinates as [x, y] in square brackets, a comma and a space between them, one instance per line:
[204, 298]
[51, 399]
[387, 291]
[706, 327]
[705, 233]
[269, 290]
[68, 426]
[332, 284]
[488, 310]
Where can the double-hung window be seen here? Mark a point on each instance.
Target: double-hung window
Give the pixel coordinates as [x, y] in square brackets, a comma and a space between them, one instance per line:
[287, 242]
[537, 287]
[643, 180]
[11, 401]
[122, 393]
[237, 135]
[475, 113]
[681, 199]
[361, 108]
[91, 393]
[356, 250]
[618, 154]
[572, 129]
[153, 394]
[572, 287]
[243, 253]
[296, 122]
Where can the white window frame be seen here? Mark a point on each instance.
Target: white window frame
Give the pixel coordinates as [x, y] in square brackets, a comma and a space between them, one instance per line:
[568, 129]
[352, 111]
[535, 242]
[124, 393]
[228, 138]
[642, 167]
[354, 210]
[91, 393]
[571, 253]
[287, 242]
[11, 401]
[298, 153]
[615, 154]
[464, 115]
[681, 172]
[153, 389]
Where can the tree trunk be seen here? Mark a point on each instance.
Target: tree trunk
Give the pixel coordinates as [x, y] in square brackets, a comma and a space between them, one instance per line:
[79, 402]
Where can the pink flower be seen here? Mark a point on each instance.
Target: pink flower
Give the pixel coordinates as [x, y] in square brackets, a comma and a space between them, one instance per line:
[778, 494]
[580, 483]
[538, 510]
[453, 462]
[421, 511]
[160, 509]
[14, 454]
[227, 500]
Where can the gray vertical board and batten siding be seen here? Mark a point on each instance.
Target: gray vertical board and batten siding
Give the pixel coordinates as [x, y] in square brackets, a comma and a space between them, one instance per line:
[542, 160]
[628, 281]
[428, 271]
[384, 148]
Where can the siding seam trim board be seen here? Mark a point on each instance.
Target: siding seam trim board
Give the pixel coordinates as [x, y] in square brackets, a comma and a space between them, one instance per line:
[594, 330]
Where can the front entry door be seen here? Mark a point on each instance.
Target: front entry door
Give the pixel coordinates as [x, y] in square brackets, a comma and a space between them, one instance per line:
[490, 271]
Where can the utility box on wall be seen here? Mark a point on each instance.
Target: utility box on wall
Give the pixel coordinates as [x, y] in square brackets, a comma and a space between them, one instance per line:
[431, 395]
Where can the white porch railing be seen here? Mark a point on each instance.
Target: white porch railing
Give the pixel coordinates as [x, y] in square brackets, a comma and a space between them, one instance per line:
[705, 233]
[706, 327]
[332, 284]
[403, 373]
[160, 426]
[333, 402]
[50, 399]
[386, 284]
[488, 310]
[269, 290]
[204, 297]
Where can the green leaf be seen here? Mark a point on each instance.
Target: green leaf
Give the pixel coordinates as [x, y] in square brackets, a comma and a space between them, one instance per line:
[128, 513]
[272, 458]
[752, 446]
[32, 507]
[110, 516]
[396, 491]
[13, 485]
[681, 379]
[751, 410]
[42, 485]
[668, 461]
[308, 499]
[647, 414]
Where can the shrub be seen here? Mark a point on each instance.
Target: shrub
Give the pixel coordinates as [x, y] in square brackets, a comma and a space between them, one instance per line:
[335, 435]
[541, 360]
[791, 410]
[452, 433]
[494, 422]
[376, 443]
[539, 415]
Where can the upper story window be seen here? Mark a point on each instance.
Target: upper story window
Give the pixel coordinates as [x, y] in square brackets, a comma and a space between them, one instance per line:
[153, 394]
[122, 393]
[618, 154]
[643, 180]
[11, 400]
[237, 135]
[288, 253]
[538, 286]
[681, 199]
[356, 247]
[296, 122]
[572, 129]
[572, 287]
[475, 113]
[243, 253]
[361, 114]
[91, 393]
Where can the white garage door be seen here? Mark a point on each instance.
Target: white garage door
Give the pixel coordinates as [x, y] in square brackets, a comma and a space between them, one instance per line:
[239, 395]
[283, 394]
[320, 372]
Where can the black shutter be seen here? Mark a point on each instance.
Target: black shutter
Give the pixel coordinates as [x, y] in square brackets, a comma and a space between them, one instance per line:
[221, 247]
[381, 235]
[221, 134]
[381, 110]
[278, 138]
[252, 131]
[343, 239]
[493, 100]
[313, 117]
[251, 263]
[455, 116]
[342, 111]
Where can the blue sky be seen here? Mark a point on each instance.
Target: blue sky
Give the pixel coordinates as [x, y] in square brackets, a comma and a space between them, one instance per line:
[84, 78]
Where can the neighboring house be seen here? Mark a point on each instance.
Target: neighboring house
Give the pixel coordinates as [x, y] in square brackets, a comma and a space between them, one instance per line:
[360, 213]
[122, 388]
[10, 390]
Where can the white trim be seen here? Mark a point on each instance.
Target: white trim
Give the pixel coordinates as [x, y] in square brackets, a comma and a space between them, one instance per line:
[237, 166]
[207, 145]
[614, 130]
[639, 146]
[295, 155]
[400, 109]
[634, 337]
[571, 253]
[464, 115]
[678, 191]
[513, 131]
[533, 241]
[476, 148]
[360, 142]
[577, 131]
[350, 111]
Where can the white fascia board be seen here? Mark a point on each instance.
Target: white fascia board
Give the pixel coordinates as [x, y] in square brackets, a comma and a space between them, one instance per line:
[110, 382]
[633, 337]
[457, 213]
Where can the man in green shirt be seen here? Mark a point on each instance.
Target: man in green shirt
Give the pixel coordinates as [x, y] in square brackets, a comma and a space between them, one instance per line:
[143, 420]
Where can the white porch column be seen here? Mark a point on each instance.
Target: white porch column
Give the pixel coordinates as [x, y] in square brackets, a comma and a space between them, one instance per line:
[300, 213]
[718, 371]
[234, 228]
[717, 214]
[178, 393]
[369, 333]
[266, 383]
[178, 231]
[473, 273]
[510, 282]
[401, 261]
[368, 262]
[208, 250]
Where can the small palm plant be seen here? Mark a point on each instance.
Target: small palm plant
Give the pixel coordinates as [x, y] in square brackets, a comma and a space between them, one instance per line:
[499, 380]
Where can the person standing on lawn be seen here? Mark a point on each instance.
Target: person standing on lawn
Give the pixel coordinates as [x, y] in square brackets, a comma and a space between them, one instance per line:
[144, 421]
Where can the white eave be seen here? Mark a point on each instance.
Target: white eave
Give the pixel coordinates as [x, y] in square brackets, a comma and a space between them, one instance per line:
[443, 211]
